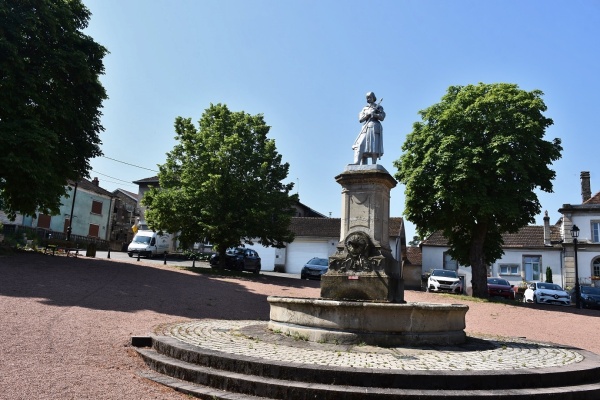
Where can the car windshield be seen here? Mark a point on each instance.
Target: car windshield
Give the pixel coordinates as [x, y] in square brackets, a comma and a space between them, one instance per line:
[590, 290]
[233, 252]
[549, 286]
[496, 281]
[141, 239]
[318, 261]
[444, 273]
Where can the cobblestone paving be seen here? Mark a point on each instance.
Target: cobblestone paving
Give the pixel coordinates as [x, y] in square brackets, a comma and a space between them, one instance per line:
[231, 337]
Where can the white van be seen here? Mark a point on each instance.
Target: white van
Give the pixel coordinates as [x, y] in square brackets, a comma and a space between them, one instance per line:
[148, 244]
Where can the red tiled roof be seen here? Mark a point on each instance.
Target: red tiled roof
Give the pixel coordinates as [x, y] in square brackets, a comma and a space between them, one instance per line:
[84, 184]
[595, 199]
[527, 237]
[153, 179]
[414, 255]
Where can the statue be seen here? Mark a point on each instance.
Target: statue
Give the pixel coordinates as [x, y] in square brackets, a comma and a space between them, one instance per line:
[369, 143]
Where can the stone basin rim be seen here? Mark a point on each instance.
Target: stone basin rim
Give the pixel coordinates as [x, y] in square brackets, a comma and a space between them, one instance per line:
[322, 302]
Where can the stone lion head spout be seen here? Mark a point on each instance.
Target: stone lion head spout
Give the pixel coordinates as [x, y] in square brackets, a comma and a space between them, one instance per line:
[357, 244]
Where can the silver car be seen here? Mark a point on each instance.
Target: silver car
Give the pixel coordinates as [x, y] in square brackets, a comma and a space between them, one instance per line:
[444, 280]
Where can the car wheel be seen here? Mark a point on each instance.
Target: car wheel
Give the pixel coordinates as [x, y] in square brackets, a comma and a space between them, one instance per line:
[256, 269]
[130, 254]
[535, 299]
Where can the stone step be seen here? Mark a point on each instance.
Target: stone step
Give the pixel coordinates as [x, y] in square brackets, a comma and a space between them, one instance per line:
[587, 371]
[224, 376]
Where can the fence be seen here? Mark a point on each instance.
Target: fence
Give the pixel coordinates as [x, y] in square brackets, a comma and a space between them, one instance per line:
[45, 236]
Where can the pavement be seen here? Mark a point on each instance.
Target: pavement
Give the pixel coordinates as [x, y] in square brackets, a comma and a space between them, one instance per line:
[251, 339]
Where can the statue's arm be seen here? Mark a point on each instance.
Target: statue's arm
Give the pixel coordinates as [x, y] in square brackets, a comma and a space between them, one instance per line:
[364, 114]
[380, 114]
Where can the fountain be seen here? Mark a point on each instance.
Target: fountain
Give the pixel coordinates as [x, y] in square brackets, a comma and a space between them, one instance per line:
[362, 294]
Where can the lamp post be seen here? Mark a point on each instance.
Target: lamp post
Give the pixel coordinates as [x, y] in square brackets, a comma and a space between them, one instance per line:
[575, 235]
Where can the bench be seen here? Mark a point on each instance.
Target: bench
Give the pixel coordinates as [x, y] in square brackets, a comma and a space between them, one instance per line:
[50, 248]
[69, 251]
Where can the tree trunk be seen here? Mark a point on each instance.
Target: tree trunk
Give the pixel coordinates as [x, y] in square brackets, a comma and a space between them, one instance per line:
[222, 257]
[478, 266]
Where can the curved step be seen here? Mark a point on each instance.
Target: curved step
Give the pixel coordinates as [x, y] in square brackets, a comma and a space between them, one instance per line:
[199, 380]
[586, 371]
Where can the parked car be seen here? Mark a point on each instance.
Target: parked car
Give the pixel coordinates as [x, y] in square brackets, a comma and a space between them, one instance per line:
[546, 293]
[444, 280]
[239, 259]
[498, 287]
[314, 268]
[590, 296]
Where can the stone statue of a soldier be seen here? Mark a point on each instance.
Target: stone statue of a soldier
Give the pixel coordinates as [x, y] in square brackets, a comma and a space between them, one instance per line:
[369, 143]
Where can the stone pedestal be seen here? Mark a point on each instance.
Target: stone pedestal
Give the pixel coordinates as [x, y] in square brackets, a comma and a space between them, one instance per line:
[363, 267]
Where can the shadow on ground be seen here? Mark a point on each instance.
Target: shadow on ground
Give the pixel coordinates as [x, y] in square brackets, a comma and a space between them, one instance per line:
[126, 287]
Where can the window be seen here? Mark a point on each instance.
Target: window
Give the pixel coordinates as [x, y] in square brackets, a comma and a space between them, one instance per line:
[509, 269]
[96, 207]
[596, 267]
[94, 230]
[532, 266]
[596, 232]
[449, 263]
[44, 221]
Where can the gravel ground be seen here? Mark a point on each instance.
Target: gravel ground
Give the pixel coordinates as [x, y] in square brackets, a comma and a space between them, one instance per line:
[66, 323]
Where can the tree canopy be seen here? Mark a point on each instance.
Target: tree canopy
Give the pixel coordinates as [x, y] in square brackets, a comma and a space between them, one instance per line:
[50, 103]
[223, 183]
[471, 168]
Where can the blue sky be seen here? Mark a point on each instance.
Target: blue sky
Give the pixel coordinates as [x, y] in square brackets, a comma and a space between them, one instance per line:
[307, 65]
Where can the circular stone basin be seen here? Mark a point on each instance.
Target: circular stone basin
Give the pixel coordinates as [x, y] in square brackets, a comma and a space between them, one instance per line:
[374, 323]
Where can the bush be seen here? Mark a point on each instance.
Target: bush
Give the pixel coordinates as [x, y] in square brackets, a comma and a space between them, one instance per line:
[548, 275]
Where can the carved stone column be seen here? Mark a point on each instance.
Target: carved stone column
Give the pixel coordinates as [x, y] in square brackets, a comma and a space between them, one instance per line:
[363, 267]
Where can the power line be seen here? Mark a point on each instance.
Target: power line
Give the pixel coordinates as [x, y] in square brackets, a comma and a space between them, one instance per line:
[133, 165]
[111, 177]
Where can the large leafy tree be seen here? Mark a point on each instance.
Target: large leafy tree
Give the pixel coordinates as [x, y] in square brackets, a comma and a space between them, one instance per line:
[49, 103]
[471, 168]
[223, 183]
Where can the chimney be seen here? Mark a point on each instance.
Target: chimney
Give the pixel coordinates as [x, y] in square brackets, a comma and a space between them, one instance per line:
[97, 183]
[586, 190]
[547, 241]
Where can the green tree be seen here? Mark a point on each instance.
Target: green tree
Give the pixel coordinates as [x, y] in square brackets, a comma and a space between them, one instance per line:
[416, 240]
[223, 183]
[471, 168]
[50, 102]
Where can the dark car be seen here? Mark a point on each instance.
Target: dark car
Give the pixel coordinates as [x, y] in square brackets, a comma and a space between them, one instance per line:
[314, 268]
[239, 259]
[590, 296]
[498, 287]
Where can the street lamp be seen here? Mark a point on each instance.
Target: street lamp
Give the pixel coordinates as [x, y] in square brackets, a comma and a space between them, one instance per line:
[575, 235]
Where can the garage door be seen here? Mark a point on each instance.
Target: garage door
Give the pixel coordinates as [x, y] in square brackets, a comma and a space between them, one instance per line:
[267, 256]
[299, 252]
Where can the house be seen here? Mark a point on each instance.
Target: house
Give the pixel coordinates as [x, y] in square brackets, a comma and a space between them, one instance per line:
[124, 214]
[412, 268]
[586, 216]
[532, 249]
[144, 185]
[527, 254]
[86, 212]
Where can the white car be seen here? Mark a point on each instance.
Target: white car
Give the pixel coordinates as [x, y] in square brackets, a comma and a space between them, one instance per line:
[547, 293]
[444, 280]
